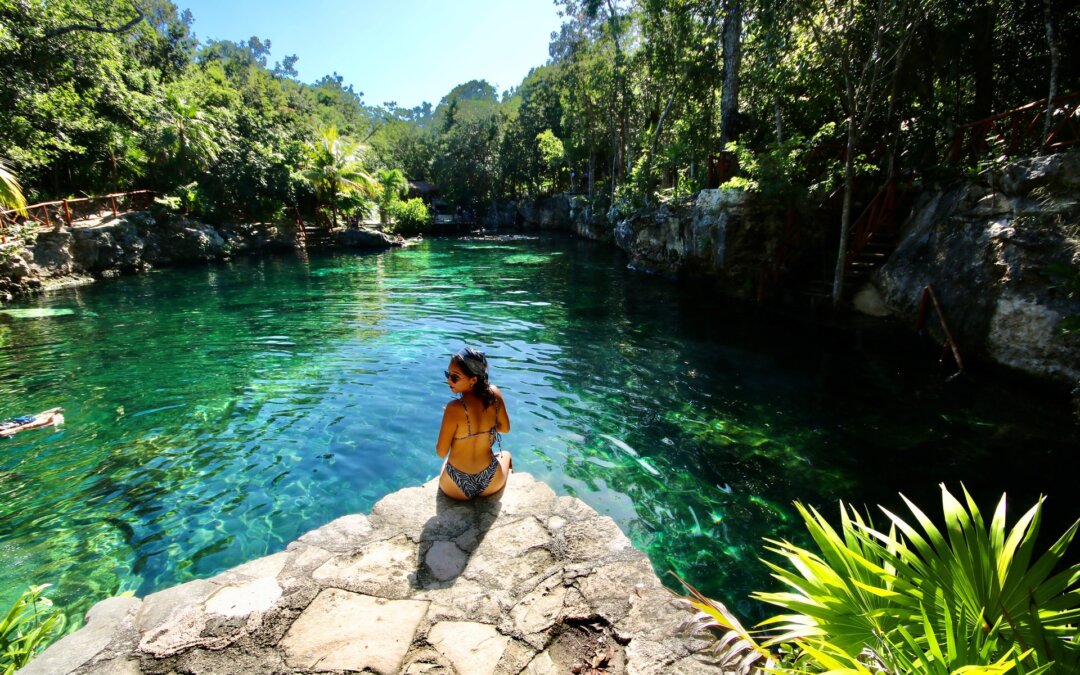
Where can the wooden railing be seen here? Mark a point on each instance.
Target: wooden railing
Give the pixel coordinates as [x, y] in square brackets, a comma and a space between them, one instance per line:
[879, 217]
[68, 211]
[1021, 130]
[927, 300]
[301, 230]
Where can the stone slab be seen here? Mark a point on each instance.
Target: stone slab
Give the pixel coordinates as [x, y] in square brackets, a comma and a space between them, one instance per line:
[258, 595]
[345, 534]
[103, 622]
[384, 568]
[473, 648]
[349, 631]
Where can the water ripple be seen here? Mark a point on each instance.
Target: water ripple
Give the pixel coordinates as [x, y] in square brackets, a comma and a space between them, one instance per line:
[215, 414]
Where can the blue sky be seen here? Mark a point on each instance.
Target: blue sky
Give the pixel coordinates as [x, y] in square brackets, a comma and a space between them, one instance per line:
[407, 51]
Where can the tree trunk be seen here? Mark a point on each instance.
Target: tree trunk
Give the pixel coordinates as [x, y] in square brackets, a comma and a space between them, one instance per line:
[652, 147]
[1055, 58]
[620, 89]
[592, 170]
[779, 120]
[845, 216]
[729, 96]
[984, 59]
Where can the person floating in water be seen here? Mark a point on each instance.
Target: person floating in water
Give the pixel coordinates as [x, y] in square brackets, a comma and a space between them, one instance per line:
[471, 426]
[14, 425]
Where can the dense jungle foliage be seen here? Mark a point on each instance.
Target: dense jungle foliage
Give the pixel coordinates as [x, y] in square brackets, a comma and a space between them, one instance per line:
[635, 103]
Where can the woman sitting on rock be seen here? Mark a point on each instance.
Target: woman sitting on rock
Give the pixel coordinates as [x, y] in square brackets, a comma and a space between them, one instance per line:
[471, 426]
[14, 425]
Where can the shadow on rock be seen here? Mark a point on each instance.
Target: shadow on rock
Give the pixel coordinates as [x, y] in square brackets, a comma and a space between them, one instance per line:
[450, 537]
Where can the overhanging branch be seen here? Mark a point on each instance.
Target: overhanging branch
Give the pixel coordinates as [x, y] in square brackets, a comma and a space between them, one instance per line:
[97, 26]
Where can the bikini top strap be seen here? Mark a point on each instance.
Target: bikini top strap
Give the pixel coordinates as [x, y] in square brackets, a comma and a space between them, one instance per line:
[468, 424]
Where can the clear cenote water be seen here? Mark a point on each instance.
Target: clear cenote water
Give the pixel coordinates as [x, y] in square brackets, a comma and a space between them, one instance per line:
[216, 413]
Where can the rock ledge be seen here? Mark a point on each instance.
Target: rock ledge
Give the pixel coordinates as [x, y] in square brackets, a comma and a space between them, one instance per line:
[521, 582]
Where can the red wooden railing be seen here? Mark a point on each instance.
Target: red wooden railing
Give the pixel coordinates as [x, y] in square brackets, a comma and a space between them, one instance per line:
[721, 168]
[929, 299]
[67, 211]
[770, 270]
[879, 217]
[301, 233]
[1021, 129]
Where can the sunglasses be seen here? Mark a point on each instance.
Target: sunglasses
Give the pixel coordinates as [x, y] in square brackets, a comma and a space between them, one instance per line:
[453, 377]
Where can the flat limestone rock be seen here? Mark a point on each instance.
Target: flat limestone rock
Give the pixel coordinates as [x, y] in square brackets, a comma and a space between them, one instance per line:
[344, 534]
[445, 560]
[473, 648]
[258, 595]
[523, 581]
[382, 568]
[104, 621]
[349, 631]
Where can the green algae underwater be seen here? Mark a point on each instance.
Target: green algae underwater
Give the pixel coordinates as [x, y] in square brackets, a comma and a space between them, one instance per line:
[216, 413]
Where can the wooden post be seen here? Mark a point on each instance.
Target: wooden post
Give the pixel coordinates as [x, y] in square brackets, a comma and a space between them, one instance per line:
[67, 213]
[921, 320]
[48, 222]
[112, 200]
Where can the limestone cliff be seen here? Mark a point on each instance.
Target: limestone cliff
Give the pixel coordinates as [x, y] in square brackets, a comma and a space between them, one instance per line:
[1003, 254]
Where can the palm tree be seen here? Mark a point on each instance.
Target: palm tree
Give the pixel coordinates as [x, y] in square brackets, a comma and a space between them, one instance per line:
[393, 185]
[335, 168]
[188, 135]
[11, 196]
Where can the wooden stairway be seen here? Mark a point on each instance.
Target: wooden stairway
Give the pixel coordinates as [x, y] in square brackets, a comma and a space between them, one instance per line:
[317, 236]
[862, 264]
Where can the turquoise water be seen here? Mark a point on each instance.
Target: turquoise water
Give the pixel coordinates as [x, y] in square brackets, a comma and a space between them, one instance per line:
[216, 413]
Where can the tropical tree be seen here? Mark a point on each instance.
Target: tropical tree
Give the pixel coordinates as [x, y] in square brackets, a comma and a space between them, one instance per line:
[552, 154]
[335, 168]
[187, 135]
[392, 187]
[11, 196]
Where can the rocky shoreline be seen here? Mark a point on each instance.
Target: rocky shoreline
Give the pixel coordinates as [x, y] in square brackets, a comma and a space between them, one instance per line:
[137, 241]
[1002, 250]
[522, 582]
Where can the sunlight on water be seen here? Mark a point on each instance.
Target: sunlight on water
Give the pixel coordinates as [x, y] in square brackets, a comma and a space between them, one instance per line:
[215, 414]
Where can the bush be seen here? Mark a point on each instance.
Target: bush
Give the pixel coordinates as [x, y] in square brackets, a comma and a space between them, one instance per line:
[27, 628]
[409, 217]
[975, 597]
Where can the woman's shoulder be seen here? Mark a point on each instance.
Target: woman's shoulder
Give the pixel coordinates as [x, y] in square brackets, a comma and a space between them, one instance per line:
[453, 407]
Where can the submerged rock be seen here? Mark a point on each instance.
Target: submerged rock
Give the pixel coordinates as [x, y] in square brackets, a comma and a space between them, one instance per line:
[521, 582]
[363, 237]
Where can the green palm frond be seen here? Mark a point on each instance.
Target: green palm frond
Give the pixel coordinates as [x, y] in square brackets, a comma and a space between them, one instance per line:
[27, 627]
[992, 575]
[847, 592]
[736, 650]
[925, 599]
[189, 133]
[335, 167]
[11, 196]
